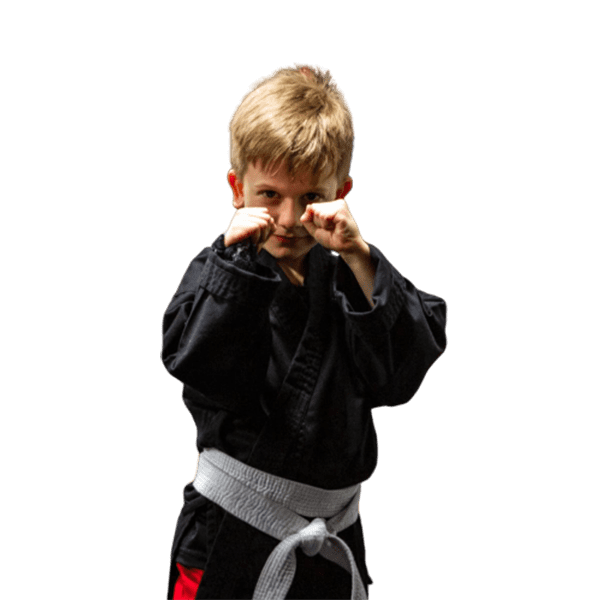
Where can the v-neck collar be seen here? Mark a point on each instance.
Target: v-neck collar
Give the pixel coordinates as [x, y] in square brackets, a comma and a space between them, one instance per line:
[272, 451]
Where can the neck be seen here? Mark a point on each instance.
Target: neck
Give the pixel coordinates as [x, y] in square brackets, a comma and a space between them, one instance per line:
[295, 273]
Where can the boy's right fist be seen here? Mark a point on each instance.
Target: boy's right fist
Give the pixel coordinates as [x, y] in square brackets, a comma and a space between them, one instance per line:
[254, 223]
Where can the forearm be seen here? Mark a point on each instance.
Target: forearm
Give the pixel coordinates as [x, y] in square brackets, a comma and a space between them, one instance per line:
[394, 344]
[216, 331]
[361, 264]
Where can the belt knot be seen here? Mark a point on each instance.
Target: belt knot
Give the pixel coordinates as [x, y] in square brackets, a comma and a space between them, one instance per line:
[313, 536]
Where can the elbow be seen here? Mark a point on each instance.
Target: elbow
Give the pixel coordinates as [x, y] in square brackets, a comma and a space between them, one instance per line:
[173, 365]
[176, 360]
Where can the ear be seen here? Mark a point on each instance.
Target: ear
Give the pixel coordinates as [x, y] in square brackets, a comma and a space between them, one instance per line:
[238, 189]
[345, 187]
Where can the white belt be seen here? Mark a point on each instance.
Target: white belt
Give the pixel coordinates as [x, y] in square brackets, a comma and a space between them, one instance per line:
[273, 505]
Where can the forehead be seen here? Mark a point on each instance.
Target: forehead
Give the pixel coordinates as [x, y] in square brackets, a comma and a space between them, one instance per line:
[279, 176]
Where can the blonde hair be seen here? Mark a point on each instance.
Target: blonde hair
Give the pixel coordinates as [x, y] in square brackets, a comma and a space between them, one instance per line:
[296, 117]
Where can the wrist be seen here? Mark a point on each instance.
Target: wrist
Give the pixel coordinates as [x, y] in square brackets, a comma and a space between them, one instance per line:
[361, 264]
[359, 253]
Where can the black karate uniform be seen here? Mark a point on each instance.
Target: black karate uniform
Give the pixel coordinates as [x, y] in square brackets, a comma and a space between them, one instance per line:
[284, 378]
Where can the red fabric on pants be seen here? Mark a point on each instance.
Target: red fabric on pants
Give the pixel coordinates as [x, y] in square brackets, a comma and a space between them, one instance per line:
[187, 583]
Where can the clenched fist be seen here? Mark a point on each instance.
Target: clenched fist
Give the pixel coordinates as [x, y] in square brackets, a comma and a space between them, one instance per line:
[254, 223]
[332, 225]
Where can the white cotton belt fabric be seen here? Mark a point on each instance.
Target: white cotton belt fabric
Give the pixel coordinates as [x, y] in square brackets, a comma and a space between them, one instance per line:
[273, 505]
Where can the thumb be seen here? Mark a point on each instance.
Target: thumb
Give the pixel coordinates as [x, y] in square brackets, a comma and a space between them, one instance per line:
[309, 213]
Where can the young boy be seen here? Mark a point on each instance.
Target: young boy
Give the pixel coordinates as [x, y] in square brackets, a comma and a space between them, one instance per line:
[286, 333]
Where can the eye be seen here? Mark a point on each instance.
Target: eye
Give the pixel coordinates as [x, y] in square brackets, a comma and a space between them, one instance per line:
[268, 194]
[313, 197]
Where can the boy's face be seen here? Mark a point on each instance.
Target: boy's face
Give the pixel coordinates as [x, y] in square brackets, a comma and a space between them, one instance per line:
[286, 200]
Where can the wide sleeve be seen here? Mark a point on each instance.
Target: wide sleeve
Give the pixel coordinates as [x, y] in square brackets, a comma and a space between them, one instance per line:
[216, 331]
[393, 343]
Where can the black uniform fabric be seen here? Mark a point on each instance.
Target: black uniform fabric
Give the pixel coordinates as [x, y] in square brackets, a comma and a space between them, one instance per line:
[284, 378]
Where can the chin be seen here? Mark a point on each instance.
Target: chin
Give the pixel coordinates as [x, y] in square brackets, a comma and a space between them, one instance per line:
[288, 254]
[285, 253]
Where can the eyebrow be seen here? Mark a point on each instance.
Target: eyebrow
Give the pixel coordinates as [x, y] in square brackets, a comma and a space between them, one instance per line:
[274, 186]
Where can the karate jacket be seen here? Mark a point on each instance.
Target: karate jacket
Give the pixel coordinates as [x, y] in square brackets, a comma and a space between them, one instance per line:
[284, 379]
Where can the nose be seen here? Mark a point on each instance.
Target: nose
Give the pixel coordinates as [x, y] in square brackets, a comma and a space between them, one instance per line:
[289, 214]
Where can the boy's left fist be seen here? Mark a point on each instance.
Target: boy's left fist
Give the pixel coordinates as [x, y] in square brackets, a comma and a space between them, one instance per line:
[332, 225]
